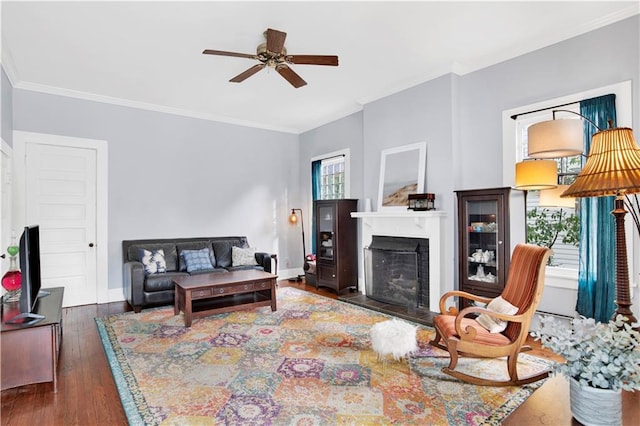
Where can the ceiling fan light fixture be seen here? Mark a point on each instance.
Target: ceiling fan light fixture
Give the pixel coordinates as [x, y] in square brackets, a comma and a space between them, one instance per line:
[273, 54]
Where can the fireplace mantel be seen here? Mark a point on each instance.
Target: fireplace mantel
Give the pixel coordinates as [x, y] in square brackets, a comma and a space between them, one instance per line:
[418, 224]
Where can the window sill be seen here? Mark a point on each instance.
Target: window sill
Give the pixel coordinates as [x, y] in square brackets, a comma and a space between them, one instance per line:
[561, 278]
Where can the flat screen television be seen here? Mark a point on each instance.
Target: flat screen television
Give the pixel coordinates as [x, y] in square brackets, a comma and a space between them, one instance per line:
[31, 279]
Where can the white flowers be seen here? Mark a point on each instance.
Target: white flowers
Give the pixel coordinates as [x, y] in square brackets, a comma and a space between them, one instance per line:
[600, 355]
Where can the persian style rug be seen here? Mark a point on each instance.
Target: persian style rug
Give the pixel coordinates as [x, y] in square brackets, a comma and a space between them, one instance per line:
[308, 363]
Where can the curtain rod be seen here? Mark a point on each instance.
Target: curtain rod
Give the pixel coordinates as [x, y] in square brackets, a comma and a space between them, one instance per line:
[514, 116]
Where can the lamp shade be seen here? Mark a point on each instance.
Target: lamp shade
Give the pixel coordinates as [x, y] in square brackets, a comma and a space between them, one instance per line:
[536, 174]
[553, 198]
[555, 138]
[612, 167]
[293, 217]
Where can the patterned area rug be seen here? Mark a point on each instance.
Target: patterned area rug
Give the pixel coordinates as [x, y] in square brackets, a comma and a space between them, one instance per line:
[308, 363]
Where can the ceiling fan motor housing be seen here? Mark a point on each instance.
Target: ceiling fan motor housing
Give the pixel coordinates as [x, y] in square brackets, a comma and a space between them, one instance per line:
[269, 58]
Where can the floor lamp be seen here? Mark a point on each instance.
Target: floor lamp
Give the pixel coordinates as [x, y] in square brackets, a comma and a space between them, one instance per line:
[293, 219]
[535, 175]
[613, 168]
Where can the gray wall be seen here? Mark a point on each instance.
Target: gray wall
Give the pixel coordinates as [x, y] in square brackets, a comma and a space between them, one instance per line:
[460, 117]
[335, 136]
[422, 113]
[7, 108]
[174, 176]
[599, 58]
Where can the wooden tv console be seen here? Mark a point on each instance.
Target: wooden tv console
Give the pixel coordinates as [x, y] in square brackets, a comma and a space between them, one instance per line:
[30, 352]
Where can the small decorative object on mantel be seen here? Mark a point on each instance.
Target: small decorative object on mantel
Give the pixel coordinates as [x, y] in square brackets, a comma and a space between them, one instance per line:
[602, 359]
[422, 202]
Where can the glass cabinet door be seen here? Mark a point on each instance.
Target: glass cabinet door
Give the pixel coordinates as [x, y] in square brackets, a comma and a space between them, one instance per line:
[326, 218]
[482, 241]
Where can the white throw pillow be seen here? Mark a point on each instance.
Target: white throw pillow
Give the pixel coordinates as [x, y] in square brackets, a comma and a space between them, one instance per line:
[501, 306]
[243, 256]
[153, 262]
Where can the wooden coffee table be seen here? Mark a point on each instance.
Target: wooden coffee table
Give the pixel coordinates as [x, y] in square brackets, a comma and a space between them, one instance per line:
[207, 294]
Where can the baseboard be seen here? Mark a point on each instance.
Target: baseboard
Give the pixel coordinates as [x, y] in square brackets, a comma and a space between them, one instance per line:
[116, 295]
[535, 321]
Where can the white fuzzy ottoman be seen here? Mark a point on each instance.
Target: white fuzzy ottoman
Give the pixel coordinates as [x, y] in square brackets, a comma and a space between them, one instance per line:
[395, 338]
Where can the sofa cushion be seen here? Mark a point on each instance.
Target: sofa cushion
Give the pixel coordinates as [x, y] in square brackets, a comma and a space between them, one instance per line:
[222, 249]
[153, 261]
[194, 245]
[169, 249]
[197, 260]
[160, 282]
[243, 268]
[243, 256]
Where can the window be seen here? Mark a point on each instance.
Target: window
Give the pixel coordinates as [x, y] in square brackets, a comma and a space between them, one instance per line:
[564, 281]
[553, 227]
[332, 179]
[329, 180]
[330, 176]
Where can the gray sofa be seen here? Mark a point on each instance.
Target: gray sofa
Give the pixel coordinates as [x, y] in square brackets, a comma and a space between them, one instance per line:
[143, 288]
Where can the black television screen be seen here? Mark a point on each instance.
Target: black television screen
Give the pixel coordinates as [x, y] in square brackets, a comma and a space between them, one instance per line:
[31, 280]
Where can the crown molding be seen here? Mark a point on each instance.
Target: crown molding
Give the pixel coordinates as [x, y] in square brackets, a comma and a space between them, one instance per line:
[549, 40]
[34, 87]
[8, 64]
[407, 84]
[329, 118]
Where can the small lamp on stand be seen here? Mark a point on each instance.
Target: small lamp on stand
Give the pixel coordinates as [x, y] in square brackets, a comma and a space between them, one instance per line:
[613, 168]
[293, 219]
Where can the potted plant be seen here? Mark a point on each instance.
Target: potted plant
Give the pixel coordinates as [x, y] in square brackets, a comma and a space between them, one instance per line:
[601, 360]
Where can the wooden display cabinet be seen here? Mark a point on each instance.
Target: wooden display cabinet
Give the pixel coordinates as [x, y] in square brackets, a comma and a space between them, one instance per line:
[336, 244]
[483, 241]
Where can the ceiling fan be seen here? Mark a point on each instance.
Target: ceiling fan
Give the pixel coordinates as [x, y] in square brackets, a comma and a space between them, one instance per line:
[274, 55]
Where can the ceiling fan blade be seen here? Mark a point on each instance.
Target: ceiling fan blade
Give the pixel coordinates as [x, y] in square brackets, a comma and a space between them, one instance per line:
[223, 53]
[313, 59]
[291, 76]
[248, 73]
[275, 40]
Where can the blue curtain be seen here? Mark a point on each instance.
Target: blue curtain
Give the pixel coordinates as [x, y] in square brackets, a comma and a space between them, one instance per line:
[316, 183]
[597, 267]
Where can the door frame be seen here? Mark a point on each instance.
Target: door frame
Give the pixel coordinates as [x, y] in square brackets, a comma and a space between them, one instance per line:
[5, 203]
[20, 140]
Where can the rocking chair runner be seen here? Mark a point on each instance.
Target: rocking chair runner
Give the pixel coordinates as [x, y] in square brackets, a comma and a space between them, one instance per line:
[460, 335]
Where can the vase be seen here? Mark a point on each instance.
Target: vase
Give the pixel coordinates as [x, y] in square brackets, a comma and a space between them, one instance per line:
[12, 279]
[594, 406]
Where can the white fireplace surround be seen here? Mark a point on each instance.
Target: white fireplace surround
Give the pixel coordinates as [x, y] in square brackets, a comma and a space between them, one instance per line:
[411, 224]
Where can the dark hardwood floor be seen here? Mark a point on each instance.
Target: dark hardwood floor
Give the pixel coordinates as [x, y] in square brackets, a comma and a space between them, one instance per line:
[87, 394]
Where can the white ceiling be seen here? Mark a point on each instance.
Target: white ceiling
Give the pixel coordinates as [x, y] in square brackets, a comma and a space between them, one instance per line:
[148, 54]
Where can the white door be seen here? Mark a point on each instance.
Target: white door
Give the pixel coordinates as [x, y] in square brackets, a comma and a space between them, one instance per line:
[5, 211]
[60, 196]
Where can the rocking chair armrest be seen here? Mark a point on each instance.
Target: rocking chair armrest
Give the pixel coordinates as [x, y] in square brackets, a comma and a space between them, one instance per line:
[459, 293]
[480, 310]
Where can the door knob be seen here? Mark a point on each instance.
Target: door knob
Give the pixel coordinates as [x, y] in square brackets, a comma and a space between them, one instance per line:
[90, 244]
